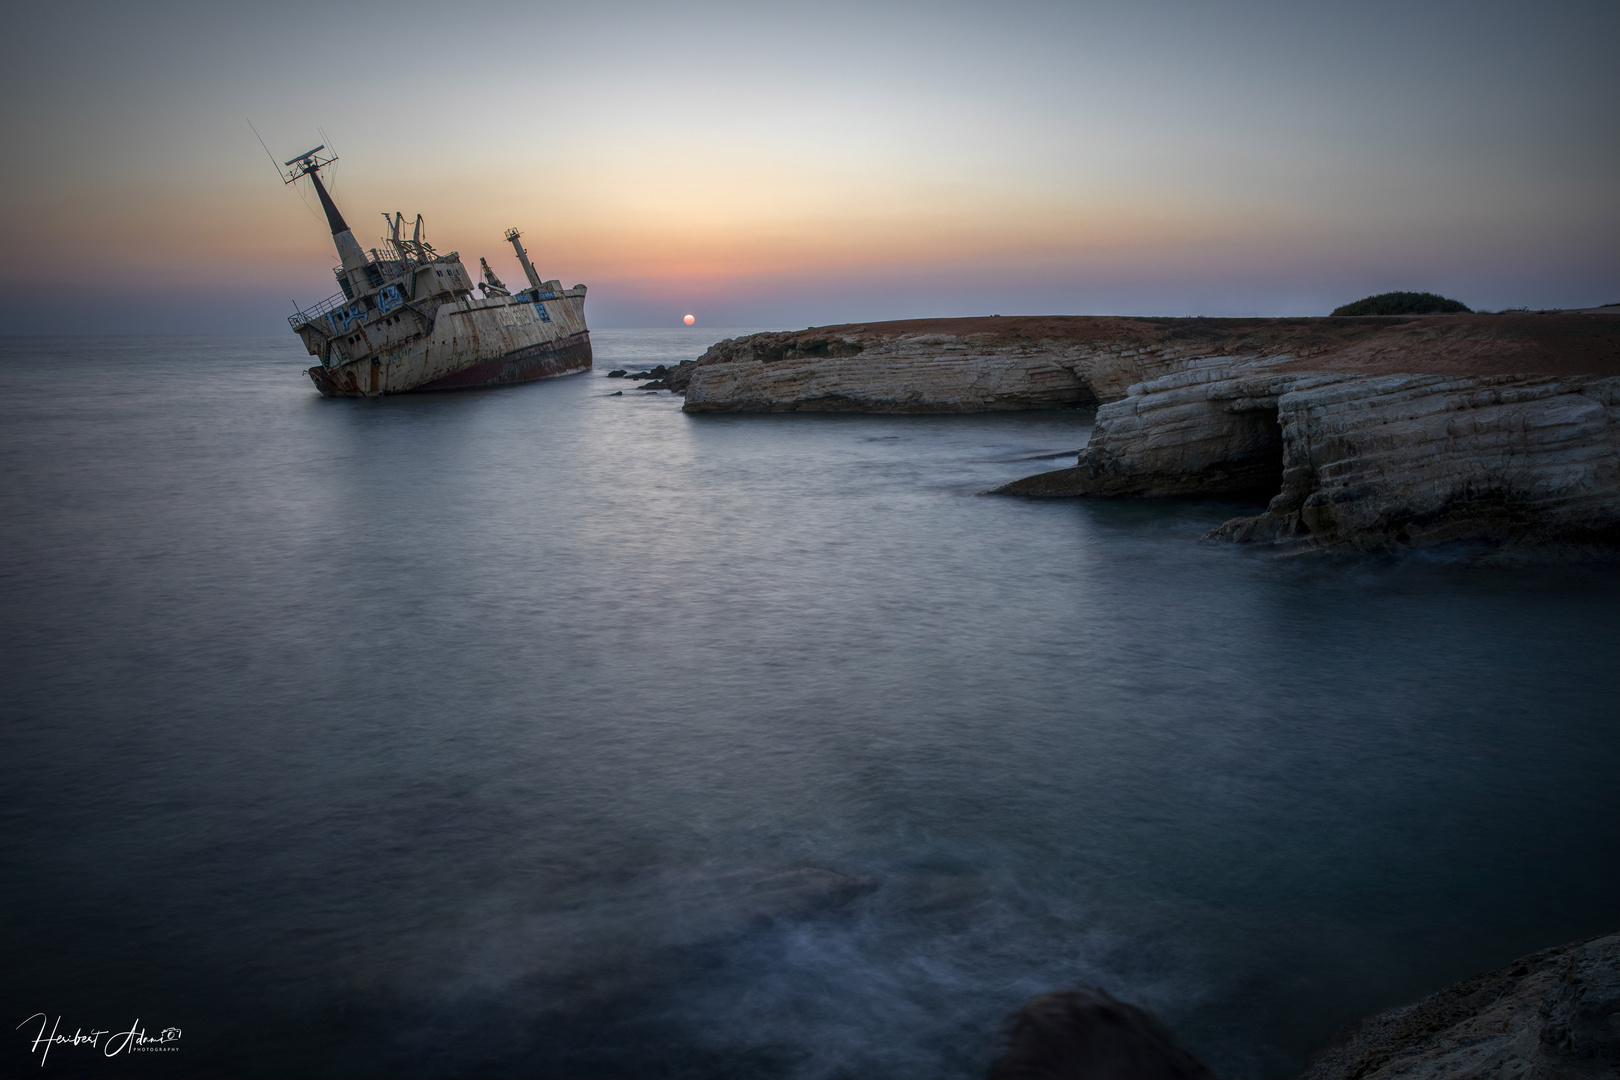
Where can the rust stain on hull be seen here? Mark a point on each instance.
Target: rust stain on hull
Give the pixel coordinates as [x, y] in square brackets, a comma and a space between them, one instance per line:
[543, 361]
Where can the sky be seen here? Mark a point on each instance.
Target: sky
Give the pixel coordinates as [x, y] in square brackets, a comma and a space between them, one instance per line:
[760, 164]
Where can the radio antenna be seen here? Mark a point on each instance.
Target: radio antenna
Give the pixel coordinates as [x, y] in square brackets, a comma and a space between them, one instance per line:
[267, 152]
[279, 176]
[328, 142]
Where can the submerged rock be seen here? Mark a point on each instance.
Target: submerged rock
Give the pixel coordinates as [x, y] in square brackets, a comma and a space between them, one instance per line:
[1552, 1015]
[712, 907]
[666, 378]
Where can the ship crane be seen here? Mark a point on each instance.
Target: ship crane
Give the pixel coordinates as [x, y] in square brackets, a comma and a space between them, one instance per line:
[415, 247]
[492, 284]
[422, 247]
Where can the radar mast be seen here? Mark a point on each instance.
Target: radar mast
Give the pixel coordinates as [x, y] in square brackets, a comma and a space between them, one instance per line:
[309, 164]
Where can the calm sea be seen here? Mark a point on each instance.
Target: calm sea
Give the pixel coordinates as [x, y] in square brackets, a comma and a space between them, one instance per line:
[542, 732]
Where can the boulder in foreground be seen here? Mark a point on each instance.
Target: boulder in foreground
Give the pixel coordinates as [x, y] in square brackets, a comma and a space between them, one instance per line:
[1086, 1034]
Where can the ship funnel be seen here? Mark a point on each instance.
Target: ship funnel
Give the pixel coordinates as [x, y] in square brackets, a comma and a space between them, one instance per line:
[523, 257]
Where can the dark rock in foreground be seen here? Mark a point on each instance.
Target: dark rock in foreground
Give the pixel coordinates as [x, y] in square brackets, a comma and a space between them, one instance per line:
[1086, 1034]
[1553, 1015]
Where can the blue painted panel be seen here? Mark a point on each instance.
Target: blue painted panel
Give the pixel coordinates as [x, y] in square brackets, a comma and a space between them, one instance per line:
[340, 319]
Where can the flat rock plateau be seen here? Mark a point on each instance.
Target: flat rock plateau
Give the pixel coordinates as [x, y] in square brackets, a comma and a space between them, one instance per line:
[1366, 433]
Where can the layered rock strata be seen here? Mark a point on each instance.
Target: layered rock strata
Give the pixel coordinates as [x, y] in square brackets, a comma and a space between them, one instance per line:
[1365, 461]
[1553, 1014]
[902, 373]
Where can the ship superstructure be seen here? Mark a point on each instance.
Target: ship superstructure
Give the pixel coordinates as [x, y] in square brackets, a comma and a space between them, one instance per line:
[410, 319]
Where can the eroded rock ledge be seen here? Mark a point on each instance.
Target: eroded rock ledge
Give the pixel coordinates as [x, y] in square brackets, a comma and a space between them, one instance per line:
[1366, 461]
[983, 364]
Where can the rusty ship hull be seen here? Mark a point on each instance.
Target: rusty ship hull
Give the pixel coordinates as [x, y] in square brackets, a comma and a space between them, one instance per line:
[465, 344]
[409, 319]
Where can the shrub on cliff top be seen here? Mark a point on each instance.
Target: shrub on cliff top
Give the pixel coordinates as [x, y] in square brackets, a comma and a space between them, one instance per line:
[1401, 303]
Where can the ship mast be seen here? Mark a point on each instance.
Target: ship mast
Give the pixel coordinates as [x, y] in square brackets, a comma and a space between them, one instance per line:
[523, 257]
[309, 164]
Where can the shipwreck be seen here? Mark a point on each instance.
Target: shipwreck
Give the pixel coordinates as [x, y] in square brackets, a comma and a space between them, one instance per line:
[408, 319]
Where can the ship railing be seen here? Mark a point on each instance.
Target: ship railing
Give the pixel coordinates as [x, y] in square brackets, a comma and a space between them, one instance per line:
[309, 315]
[386, 268]
[429, 256]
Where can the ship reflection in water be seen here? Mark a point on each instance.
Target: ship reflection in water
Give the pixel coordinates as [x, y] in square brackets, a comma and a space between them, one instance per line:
[548, 733]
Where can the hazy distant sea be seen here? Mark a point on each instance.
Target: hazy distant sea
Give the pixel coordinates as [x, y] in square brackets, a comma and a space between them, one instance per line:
[545, 733]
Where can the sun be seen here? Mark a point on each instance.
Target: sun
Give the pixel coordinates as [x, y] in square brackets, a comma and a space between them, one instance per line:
[689, 320]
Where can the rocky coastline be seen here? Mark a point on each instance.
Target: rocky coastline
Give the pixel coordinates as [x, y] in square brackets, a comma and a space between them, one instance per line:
[1360, 433]
[1552, 1015]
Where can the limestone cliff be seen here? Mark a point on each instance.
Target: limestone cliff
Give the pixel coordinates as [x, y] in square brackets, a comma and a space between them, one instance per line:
[1362, 433]
[1365, 461]
[1553, 1015]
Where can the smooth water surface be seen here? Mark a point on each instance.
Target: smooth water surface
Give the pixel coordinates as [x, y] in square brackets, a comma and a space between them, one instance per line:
[541, 732]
